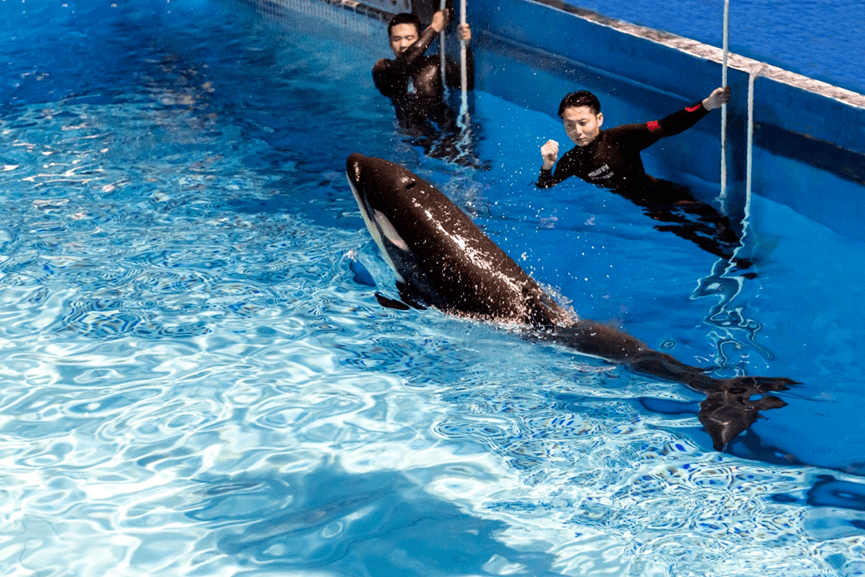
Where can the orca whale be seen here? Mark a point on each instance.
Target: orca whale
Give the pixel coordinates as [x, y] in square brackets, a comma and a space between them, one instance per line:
[442, 259]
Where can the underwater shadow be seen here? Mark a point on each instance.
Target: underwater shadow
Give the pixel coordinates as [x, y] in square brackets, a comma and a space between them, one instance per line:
[369, 524]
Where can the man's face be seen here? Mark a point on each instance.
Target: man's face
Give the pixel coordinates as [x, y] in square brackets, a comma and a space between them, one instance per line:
[402, 36]
[582, 124]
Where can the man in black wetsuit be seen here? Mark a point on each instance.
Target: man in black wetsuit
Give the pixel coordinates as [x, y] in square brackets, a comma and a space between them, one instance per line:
[611, 158]
[413, 81]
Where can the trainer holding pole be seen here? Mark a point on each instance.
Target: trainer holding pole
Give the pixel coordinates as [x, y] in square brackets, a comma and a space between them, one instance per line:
[415, 83]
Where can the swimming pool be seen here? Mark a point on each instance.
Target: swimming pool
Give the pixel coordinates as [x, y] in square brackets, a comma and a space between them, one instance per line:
[195, 383]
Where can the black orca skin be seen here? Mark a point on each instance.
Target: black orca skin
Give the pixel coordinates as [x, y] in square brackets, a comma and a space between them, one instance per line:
[443, 259]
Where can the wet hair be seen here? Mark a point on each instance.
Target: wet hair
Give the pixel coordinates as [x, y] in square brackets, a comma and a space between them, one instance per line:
[404, 18]
[580, 98]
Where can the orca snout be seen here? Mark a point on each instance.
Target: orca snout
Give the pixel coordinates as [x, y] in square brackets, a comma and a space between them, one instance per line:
[354, 166]
[377, 180]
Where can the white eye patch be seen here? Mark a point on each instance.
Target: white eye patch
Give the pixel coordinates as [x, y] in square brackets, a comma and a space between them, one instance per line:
[389, 231]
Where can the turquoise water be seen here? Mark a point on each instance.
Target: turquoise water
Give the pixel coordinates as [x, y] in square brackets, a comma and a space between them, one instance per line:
[194, 383]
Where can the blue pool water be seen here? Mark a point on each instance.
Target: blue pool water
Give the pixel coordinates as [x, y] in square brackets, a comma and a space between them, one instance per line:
[195, 383]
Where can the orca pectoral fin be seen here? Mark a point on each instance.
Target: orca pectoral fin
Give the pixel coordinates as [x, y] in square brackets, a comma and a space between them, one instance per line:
[406, 302]
[390, 303]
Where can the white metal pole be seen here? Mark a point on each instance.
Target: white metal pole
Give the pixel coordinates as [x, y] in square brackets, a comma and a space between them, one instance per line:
[443, 61]
[722, 197]
[746, 217]
[464, 76]
[752, 77]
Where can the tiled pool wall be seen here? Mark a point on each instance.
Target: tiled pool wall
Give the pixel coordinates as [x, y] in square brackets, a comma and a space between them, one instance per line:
[809, 136]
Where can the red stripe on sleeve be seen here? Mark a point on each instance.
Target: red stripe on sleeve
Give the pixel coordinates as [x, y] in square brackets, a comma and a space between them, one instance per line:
[694, 108]
[653, 126]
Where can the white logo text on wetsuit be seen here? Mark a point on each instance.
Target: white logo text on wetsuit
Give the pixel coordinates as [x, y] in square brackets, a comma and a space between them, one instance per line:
[601, 170]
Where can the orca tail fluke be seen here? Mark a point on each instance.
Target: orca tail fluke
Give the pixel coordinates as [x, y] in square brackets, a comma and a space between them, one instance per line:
[733, 405]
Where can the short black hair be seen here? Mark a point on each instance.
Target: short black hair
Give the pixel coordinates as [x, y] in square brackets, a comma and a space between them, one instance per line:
[404, 18]
[577, 99]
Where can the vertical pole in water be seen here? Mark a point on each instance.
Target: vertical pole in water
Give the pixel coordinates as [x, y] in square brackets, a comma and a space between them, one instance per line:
[443, 62]
[755, 72]
[464, 76]
[746, 219]
[752, 76]
[722, 197]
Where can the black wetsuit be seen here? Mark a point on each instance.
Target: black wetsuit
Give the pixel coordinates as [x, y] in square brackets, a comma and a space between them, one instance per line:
[613, 161]
[413, 82]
